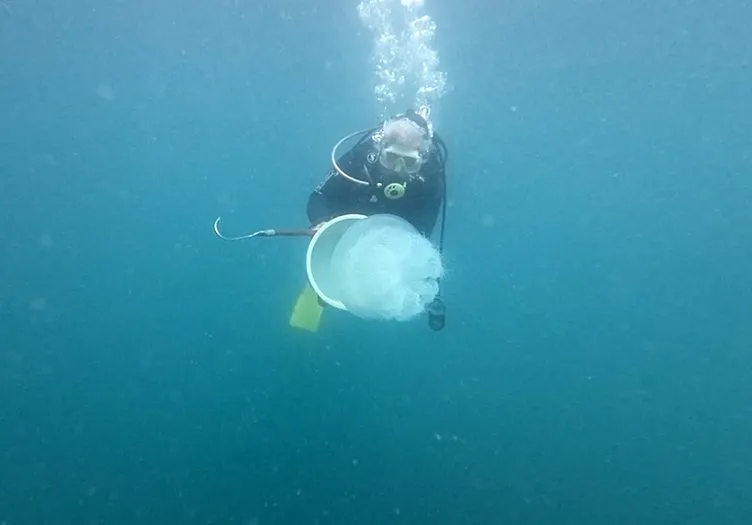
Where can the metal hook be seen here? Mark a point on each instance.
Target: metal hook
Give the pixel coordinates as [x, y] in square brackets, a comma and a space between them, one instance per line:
[260, 233]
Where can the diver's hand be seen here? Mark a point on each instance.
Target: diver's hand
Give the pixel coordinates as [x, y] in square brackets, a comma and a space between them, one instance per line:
[319, 225]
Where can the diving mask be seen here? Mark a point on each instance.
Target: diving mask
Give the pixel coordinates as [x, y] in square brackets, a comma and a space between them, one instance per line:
[400, 161]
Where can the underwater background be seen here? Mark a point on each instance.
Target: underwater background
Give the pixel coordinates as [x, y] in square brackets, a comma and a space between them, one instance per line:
[596, 366]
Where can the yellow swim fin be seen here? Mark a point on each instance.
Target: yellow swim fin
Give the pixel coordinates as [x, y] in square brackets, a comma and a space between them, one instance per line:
[307, 312]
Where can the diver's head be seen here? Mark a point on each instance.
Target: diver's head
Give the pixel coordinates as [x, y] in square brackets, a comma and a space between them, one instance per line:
[403, 146]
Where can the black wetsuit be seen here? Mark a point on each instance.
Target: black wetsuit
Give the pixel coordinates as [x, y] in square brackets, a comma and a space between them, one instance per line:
[419, 205]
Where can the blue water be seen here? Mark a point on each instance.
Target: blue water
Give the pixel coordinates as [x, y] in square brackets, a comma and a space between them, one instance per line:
[596, 367]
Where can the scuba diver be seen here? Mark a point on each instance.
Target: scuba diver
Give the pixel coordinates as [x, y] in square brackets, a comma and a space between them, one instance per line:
[396, 168]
